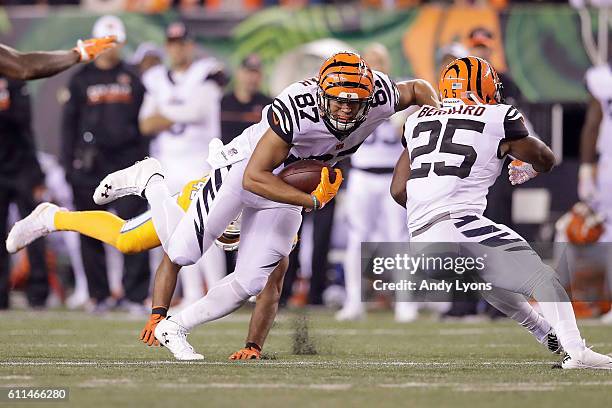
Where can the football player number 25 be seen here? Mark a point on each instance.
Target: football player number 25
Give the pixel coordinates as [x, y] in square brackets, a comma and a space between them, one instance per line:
[447, 146]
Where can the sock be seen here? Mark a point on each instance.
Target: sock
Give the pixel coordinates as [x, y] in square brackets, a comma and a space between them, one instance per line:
[516, 307]
[100, 225]
[165, 211]
[561, 317]
[556, 307]
[221, 300]
[533, 322]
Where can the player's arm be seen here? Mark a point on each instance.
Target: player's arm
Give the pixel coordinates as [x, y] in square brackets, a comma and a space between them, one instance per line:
[154, 124]
[34, 65]
[150, 121]
[41, 64]
[588, 150]
[530, 150]
[401, 174]
[416, 92]
[163, 289]
[270, 153]
[263, 315]
[531, 156]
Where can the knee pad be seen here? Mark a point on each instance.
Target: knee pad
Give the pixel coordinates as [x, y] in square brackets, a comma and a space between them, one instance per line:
[180, 254]
[253, 285]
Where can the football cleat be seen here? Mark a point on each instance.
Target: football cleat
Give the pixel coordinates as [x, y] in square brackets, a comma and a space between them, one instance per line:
[351, 313]
[587, 358]
[551, 341]
[174, 336]
[130, 181]
[38, 224]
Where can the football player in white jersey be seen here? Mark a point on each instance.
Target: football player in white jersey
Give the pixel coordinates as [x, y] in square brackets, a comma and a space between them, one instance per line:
[325, 118]
[181, 109]
[595, 173]
[371, 210]
[453, 155]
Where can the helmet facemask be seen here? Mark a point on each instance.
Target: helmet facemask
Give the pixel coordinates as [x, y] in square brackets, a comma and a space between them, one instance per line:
[342, 127]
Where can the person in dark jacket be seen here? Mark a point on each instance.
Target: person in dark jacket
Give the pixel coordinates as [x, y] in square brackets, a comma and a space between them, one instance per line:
[21, 182]
[101, 135]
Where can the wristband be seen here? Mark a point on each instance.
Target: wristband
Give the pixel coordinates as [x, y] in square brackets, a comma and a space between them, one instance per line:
[250, 345]
[160, 310]
[316, 203]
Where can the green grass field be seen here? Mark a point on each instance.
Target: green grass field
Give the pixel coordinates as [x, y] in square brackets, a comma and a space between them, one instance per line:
[373, 363]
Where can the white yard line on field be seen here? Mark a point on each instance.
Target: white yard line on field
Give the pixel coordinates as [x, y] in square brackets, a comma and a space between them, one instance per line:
[328, 363]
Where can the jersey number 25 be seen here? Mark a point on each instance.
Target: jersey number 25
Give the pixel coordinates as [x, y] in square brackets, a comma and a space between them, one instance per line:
[447, 146]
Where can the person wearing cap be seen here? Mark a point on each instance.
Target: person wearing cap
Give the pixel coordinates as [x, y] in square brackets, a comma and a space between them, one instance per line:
[481, 41]
[100, 134]
[241, 106]
[180, 113]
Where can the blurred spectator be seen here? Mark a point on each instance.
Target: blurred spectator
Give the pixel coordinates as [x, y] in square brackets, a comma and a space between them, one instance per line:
[100, 135]
[181, 111]
[480, 41]
[146, 56]
[241, 107]
[21, 182]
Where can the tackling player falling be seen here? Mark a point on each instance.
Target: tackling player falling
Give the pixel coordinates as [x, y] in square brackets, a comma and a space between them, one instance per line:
[453, 155]
[326, 119]
[137, 235]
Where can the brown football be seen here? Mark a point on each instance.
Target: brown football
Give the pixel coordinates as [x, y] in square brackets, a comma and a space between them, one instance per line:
[305, 175]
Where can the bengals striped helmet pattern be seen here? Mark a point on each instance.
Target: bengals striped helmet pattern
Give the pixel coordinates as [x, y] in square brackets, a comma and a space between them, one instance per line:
[345, 77]
[471, 79]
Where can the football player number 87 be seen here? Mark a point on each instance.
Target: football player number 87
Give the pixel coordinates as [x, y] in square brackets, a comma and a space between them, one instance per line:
[447, 146]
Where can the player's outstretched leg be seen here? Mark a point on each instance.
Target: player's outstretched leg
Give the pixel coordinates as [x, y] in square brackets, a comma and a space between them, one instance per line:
[36, 225]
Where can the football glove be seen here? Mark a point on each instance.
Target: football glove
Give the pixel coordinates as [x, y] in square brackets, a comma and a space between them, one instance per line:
[91, 48]
[587, 187]
[519, 172]
[326, 190]
[146, 335]
[246, 353]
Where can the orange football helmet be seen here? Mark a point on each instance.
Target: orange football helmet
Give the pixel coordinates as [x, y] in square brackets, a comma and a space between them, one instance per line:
[585, 226]
[472, 80]
[345, 77]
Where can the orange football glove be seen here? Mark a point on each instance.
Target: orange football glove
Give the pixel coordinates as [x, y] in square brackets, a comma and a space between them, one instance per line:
[146, 335]
[91, 48]
[326, 190]
[246, 353]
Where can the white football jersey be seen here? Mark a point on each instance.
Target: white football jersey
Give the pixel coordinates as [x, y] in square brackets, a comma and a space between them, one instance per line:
[188, 91]
[599, 84]
[294, 116]
[380, 150]
[455, 158]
